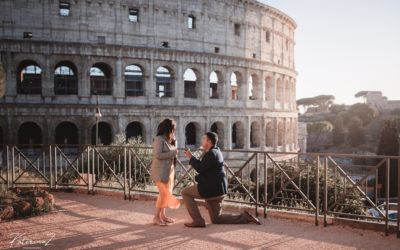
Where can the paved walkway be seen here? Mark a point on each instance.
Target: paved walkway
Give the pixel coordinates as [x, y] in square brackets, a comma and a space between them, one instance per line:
[82, 221]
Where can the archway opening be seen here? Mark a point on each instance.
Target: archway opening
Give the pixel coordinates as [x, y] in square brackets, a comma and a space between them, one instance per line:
[134, 129]
[66, 133]
[104, 134]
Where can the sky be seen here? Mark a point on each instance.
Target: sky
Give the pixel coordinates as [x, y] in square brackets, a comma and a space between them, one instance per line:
[345, 46]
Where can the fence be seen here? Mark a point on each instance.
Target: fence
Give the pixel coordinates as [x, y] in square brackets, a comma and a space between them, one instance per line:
[347, 186]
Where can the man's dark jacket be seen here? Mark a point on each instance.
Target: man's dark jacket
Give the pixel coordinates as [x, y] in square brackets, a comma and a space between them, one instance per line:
[212, 179]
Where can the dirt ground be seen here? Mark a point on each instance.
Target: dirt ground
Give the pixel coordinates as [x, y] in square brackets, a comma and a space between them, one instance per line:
[82, 221]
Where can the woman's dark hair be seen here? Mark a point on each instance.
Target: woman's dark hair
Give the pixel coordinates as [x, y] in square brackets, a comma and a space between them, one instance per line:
[166, 127]
[213, 137]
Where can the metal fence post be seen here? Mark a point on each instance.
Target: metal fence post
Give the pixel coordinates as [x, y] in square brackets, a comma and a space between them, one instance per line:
[124, 173]
[8, 166]
[265, 185]
[387, 197]
[88, 168]
[130, 173]
[317, 191]
[13, 167]
[93, 172]
[50, 168]
[257, 185]
[398, 198]
[325, 188]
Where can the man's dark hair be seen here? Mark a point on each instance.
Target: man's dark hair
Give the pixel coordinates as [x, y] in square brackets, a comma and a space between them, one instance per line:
[213, 137]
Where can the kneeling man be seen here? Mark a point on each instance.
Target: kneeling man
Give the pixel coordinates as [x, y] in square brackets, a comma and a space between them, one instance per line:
[212, 187]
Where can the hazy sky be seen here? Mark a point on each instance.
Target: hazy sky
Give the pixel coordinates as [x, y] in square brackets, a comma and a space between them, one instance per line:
[345, 46]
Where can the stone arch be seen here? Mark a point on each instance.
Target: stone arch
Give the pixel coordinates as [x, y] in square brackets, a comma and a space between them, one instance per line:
[218, 128]
[193, 135]
[134, 84]
[29, 78]
[236, 85]
[238, 135]
[66, 133]
[104, 133]
[29, 133]
[254, 87]
[134, 129]
[191, 83]
[216, 85]
[101, 79]
[268, 88]
[280, 133]
[269, 135]
[164, 82]
[279, 89]
[255, 134]
[65, 78]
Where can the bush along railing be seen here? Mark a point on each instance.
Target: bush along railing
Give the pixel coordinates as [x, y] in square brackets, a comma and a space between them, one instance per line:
[346, 186]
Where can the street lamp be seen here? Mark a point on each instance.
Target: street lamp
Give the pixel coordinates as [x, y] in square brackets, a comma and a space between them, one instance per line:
[97, 115]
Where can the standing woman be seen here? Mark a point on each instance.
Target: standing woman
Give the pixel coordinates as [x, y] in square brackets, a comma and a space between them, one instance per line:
[162, 170]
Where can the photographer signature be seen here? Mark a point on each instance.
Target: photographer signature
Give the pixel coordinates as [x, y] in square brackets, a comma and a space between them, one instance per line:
[22, 240]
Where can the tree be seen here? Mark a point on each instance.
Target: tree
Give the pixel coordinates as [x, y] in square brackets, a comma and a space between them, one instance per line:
[322, 102]
[337, 108]
[2, 81]
[389, 145]
[356, 131]
[364, 111]
[338, 131]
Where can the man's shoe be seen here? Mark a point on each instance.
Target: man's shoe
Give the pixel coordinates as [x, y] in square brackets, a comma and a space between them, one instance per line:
[251, 218]
[194, 224]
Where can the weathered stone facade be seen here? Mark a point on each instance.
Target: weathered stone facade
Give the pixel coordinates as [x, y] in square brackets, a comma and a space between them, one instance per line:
[41, 40]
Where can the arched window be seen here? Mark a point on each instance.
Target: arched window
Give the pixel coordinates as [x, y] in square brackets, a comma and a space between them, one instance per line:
[268, 89]
[238, 135]
[29, 78]
[100, 79]
[104, 134]
[190, 80]
[218, 128]
[192, 135]
[133, 81]
[65, 79]
[255, 135]
[66, 133]
[236, 86]
[163, 81]
[269, 135]
[29, 133]
[216, 88]
[134, 129]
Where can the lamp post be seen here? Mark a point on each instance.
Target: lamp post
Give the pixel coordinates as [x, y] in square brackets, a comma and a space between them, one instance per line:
[97, 115]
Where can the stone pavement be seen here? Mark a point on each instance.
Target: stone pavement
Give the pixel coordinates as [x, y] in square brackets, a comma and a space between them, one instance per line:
[82, 221]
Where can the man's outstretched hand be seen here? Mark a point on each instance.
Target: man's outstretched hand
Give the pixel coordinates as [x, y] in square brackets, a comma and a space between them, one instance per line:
[188, 154]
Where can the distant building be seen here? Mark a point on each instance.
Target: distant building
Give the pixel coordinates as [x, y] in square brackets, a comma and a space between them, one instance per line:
[376, 99]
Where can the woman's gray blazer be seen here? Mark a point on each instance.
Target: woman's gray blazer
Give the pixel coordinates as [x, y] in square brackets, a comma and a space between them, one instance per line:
[163, 159]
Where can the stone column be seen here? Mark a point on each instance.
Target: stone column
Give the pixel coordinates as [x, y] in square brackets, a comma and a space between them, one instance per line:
[283, 103]
[150, 86]
[275, 143]
[228, 135]
[274, 91]
[181, 132]
[247, 129]
[119, 90]
[228, 94]
[263, 133]
[11, 84]
[206, 86]
[47, 84]
[84, 81]
[179, 86]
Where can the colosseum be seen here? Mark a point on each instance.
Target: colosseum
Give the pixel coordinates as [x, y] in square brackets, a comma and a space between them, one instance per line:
[220, 65]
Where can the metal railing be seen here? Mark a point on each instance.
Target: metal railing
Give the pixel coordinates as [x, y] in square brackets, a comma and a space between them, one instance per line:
[339, 185]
